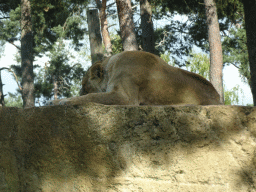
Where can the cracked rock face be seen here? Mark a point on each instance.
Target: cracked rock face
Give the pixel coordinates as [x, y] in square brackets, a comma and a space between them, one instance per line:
[125, 148]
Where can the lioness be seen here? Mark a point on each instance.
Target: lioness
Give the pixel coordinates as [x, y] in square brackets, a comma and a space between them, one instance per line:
[142, 78]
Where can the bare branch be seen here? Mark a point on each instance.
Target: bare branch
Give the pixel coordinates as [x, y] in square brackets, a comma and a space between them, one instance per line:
[163, 41]
[111, 4]
[14, 45]
[235, 65]
[64, 81]
[75, 65]
[111, 26]
[9, 69]
[135, 6]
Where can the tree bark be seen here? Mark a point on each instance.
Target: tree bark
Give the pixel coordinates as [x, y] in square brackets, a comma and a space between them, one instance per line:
[94, 35]
[1, 91]
[104, 27]
[148, 42]
[216, 59]
[250, 25]
[128, 35]
[27, 55]
[55, 87]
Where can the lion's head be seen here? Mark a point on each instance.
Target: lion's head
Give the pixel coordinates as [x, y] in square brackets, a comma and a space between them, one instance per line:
[94, 80]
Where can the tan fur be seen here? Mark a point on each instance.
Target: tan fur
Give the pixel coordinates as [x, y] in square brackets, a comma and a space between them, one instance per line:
[141, 78]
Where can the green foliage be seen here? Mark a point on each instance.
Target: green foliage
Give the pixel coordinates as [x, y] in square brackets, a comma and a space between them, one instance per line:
[42, 86]
[231, 9]
[10, 27]
[75, 87]
[192, 31]
[173, 38]
[14, 100]
[178, 37]
[231, 96]
[166, 58]
[47, 17]
[199, 63]
[53, 23]
[236, 52]
[116, 42]
[7, 6]
[228, 9]
[61, 72]
[55, 19]
[68, 78]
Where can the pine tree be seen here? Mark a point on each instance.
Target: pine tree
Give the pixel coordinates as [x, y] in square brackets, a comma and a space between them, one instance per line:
[49, 19]
[27, 55]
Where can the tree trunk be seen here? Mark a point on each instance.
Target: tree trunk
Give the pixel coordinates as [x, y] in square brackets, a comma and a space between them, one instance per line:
[128, 35]
[1, 91]
[216, 60]
[55, 87]
[148, 42]
[104, 27]
[27, 55]
[94, 35]
[250, 25]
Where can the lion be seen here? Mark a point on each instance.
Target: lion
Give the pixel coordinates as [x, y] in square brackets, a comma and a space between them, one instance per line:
[141, 78]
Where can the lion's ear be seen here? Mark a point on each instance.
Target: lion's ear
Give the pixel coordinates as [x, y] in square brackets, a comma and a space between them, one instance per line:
[96, 71]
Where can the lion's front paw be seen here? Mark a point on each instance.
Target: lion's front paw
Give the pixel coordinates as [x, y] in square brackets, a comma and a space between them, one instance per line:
[67, 101]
